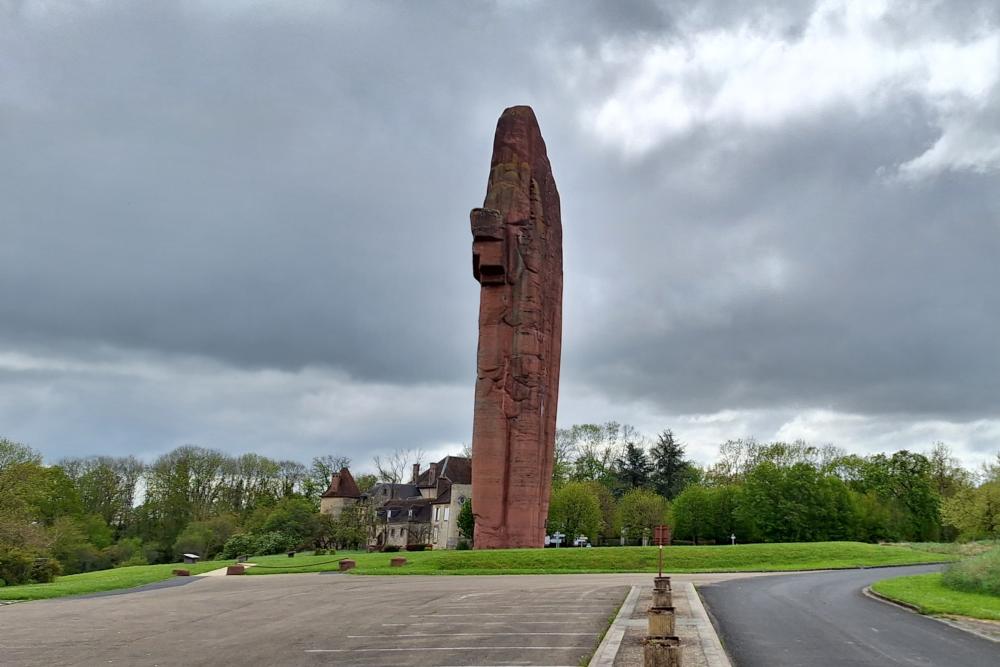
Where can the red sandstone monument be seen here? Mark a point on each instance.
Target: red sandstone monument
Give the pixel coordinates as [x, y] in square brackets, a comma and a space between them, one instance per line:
[517, 259]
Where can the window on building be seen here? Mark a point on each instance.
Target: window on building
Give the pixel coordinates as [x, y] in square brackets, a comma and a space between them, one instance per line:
[447, 511]
[410, 513]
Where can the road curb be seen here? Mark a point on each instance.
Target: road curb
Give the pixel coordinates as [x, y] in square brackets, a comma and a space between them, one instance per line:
[711, 645]
[607, 650]
[867, 590]
[906, 606]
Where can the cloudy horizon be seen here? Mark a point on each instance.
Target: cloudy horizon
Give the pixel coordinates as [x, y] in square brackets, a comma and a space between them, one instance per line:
[244, 225]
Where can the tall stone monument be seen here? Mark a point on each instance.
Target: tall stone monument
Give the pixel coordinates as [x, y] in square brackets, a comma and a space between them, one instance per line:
[517, 259]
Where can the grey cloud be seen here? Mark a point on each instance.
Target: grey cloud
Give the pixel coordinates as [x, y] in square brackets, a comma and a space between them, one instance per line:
[287, 191]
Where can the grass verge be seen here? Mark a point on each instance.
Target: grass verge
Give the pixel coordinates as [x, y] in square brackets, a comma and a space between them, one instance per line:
[102, 580]
[927, 593]
[727, 558]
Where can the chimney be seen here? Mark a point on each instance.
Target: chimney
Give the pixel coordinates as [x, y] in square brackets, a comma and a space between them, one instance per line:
[434, 473]
[416, 473]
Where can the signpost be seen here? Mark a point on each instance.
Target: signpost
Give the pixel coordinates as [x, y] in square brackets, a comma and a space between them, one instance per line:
[661, 537]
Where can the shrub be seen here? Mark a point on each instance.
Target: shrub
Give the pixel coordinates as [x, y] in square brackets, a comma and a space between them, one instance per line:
[980, 574]
[15, 565]
[416, 547]
[463, 545]
[275, 542]
[320, 552]
[241, 544]
[45, 570]
[390, 548]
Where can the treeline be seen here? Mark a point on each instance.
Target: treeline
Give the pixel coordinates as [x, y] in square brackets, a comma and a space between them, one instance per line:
[94, 513]
[614, 485]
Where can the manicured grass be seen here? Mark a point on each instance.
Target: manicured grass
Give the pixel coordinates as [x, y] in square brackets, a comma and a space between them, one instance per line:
[931, 596]
[103, 580]
[958, 548]
[739, 558]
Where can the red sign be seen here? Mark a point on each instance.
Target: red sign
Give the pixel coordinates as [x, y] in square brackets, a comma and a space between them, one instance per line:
[661, 536]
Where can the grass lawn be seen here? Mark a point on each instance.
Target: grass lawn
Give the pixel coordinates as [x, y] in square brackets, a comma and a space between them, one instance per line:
[926, 592]
[102, 580]
[727, 558]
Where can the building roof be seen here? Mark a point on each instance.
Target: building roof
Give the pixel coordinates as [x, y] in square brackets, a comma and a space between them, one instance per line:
[342, 485]
[391, 491]
[458, 469]
[444, 496]
[401, 510]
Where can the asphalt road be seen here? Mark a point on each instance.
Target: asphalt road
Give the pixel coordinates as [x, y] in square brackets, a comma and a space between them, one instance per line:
[315, 619]
[824, 618]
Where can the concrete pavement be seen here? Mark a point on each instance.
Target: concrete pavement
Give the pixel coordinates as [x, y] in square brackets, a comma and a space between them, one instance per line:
[326, 619]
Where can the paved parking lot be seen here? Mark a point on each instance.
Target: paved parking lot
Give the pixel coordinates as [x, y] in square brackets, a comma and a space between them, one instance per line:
[519, 626]
[323, 620]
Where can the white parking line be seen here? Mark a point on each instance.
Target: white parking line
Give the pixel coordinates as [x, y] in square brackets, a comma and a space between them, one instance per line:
[479, 634]
[443, 648]
[525, 613]
[388, 625]
[574, 605]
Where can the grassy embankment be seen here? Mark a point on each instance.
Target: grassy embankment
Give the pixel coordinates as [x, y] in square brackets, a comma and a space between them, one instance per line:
[739, 558]
[745, 557]
[927, 593]
[968, 588]
[102, 580]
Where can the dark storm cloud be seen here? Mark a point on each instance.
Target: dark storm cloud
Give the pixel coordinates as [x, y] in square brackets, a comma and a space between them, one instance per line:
[883, 302]
[236, 216]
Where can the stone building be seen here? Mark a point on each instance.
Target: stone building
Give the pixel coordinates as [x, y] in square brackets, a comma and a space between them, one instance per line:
[342, 492]
[423, 511]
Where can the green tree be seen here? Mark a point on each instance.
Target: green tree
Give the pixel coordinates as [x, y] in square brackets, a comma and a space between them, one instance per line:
[294, 517]
[693, 514]
[974, 513]
[641, 510]
[107, 487]
[467, 521]
[575, 510]
[671, 472]
[206, 537]
[632, 468]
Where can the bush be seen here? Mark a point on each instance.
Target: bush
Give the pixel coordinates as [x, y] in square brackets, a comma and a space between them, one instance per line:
[241, 544]
[15, 565]
[417, 547]
[275, 542]
[980, 574]
[320, 552]
[390, 548]
[463, 545]
[45, 570]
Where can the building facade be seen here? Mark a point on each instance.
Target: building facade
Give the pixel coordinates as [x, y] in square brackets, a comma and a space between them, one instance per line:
[422, 512]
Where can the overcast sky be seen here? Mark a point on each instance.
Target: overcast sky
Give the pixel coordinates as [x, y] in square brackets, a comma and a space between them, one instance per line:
[244, 224]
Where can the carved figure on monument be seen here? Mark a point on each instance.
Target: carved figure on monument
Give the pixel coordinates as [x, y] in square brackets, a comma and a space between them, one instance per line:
[517, 259]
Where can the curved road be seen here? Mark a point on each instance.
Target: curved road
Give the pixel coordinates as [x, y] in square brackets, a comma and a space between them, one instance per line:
[823, 618]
